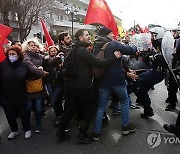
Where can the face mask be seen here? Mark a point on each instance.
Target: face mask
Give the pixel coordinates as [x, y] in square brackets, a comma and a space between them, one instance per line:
[13, 58]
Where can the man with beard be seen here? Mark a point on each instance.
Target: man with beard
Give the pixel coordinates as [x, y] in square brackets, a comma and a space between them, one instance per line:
[65, 42]
[81, 95]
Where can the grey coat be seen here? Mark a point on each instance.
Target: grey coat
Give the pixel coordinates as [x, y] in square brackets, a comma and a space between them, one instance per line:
[34, 60]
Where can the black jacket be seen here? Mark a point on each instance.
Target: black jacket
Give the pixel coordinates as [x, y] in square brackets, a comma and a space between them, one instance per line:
[55, 71]
[84, 61]
[12, 82]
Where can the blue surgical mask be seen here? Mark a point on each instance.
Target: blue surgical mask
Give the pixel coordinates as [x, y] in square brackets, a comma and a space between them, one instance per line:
[13, 58]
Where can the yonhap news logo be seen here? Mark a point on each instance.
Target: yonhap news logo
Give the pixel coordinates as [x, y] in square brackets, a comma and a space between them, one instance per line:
[155, 139]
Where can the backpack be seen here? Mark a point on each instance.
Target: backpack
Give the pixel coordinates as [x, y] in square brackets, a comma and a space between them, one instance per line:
[70, 70]
[98, 72]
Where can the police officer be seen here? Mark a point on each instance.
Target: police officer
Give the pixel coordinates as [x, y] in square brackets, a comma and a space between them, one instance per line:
[151, 76]
[172, 86]
[175, 128]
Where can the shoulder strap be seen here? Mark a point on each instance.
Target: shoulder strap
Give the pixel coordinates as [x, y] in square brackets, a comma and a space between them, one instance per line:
[104, 46]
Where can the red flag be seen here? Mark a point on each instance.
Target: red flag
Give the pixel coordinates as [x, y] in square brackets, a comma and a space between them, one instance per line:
[2, 56]
[140, 29]
[127, 34]
[146, 29]
[133, 33]
[49, 40]
[4, 32]
[6, 41]
[99, 12]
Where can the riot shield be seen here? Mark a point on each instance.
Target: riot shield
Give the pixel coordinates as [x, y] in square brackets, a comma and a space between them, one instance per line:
[143, 43]
[167, 51]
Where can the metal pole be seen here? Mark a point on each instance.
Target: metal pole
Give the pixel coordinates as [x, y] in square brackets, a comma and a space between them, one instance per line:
[72, 15]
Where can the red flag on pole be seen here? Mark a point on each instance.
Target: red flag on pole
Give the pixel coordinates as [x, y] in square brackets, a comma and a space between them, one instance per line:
[6, 41]
[4, 32]
[133, 33]
[46, 34]
[140, 29]
[146, 29]
[2, 56]
[127, 34]
[99, 12]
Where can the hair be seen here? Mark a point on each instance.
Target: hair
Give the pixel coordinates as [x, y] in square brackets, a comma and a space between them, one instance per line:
[17, 49]
[79, 33]
[53, 46]
[62, 35]
[35, 41]
[14, 42]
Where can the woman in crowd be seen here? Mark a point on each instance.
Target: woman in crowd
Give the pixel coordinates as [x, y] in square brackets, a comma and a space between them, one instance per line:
[13, 93]
[35, 88]
[54, 64]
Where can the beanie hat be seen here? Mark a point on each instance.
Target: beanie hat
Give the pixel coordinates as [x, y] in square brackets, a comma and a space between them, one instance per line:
[104, 31]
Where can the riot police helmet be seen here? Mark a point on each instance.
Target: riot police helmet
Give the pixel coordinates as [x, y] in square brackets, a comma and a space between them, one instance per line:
[157, 32]
[176, 28]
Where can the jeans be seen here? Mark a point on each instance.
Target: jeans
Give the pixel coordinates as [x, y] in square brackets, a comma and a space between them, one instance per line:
[104, 93]
[9, 111]
[115, 103]
[56, 100]
[38, 110]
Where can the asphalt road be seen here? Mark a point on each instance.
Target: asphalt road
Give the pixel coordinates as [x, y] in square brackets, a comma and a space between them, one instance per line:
[111, 141]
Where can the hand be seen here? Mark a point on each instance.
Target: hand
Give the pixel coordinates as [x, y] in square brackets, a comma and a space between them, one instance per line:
[40, 68]
[117, 54]
[47, 57]
[132, 76]
[59, 54]
[138, 53]
[45, 73]
[61, 65]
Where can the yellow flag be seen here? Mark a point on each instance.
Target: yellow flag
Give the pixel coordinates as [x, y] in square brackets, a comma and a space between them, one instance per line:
[122, 31]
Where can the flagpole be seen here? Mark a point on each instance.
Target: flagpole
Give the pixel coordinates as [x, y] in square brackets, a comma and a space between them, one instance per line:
[72, 18]
[72, 12]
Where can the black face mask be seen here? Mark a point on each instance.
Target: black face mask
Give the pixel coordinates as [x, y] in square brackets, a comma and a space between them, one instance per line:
[157, 43]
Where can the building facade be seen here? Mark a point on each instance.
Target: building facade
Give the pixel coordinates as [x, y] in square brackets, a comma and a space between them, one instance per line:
[65, 15]
[62, 15]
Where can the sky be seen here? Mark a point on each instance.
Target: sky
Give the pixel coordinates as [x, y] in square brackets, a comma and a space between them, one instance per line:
[144, 12]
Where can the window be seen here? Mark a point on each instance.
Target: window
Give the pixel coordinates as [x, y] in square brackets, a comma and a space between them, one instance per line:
[59, 18]
[16, 17]
[1, 16]
[10, 16]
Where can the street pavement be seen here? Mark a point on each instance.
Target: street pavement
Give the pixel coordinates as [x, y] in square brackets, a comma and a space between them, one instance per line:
[149, 138]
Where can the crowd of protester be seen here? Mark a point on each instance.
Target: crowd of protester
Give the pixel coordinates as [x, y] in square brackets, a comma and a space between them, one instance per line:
[32, 76]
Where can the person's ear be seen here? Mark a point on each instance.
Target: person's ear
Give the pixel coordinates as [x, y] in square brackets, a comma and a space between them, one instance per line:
[80, 38]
